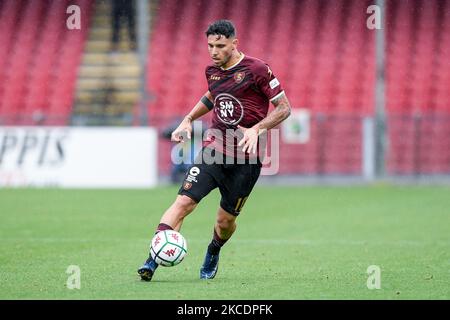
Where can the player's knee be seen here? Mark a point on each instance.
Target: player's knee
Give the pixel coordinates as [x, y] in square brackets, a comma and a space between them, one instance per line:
[225, 223]
[185, 204]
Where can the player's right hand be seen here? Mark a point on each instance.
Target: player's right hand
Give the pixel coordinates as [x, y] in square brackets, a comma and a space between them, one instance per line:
[184, 129]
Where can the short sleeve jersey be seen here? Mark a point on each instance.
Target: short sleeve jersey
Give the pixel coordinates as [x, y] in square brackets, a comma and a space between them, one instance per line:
[241, 93]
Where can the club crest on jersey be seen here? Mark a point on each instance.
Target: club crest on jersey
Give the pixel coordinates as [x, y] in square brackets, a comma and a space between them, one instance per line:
[228, 109]
[239, 76]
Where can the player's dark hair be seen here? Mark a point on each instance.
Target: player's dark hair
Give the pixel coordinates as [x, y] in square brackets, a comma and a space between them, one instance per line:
[221, 27]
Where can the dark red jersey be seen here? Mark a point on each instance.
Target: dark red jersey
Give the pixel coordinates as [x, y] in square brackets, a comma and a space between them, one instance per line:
[241, 96]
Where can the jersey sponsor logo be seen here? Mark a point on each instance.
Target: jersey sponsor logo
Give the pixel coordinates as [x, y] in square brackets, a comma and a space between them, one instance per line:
[228, 109]
[239, 76]
[274, 83]
[214, 77]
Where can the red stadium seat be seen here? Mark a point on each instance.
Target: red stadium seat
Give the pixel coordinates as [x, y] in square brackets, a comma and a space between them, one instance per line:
[31, 56]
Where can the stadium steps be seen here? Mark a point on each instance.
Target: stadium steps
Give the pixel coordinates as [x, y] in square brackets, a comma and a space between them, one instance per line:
[112, 70]
[108, 82]
[97, 83]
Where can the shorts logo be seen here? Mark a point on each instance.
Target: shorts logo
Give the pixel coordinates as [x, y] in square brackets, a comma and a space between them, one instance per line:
[239, 76]
[194, 171]
[187, 185]
[228, 109]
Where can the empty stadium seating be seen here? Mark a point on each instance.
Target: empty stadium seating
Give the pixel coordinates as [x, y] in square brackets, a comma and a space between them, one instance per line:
[39, 59]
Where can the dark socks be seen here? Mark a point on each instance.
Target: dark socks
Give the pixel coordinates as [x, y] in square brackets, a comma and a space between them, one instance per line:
[162, 227]
[216, 244]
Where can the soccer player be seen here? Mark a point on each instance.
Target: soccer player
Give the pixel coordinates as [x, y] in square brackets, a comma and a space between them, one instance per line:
[239, 91]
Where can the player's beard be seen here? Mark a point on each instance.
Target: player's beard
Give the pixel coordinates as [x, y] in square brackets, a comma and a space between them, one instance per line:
[225, 61]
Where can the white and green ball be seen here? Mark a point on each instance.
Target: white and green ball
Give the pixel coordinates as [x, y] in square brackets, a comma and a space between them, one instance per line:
[168, 248]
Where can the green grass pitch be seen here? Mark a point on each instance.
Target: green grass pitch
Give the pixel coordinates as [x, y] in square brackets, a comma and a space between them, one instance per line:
[291, 243]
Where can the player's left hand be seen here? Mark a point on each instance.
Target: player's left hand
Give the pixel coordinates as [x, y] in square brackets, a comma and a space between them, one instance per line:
[250, 139]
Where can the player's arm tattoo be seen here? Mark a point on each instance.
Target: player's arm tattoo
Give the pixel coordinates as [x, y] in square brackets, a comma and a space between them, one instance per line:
[279, 114]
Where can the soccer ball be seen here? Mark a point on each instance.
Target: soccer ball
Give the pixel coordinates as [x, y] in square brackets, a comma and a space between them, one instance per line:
[168, 248]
